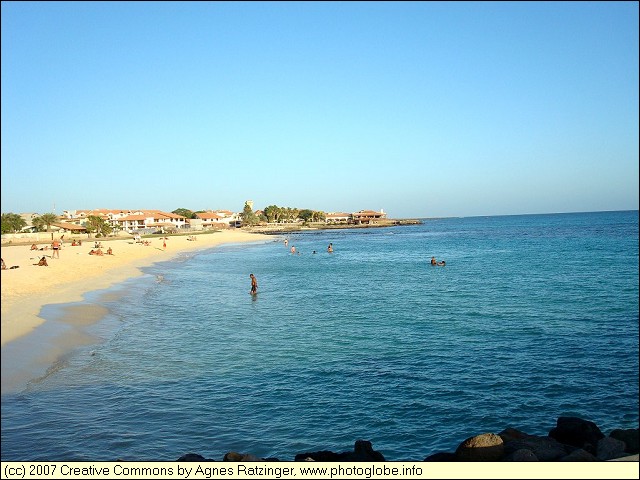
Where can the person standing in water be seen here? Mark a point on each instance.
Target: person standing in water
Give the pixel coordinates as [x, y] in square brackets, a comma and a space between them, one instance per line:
[254, 284]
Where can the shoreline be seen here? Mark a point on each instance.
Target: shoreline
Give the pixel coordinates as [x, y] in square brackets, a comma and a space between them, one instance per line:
[26, 290]
[33, 340]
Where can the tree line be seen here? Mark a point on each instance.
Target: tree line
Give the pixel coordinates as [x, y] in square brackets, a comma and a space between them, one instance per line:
[14, 223]
[271, 214]
[276, 214]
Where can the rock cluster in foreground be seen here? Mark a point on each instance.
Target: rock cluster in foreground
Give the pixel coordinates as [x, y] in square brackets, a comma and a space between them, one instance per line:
[572, 440]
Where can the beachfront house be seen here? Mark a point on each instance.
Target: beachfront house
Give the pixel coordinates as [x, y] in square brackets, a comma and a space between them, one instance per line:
[68, 227]
[130, 220]
[368, 217]
[363, 217]
[213, 219]
[164, 221]
[337, 217]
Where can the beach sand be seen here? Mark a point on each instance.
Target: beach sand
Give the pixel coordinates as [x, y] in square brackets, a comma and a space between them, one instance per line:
[25, 290]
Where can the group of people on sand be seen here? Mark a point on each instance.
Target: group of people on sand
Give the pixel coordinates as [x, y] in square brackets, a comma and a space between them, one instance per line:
[56, 246]
[99, 252]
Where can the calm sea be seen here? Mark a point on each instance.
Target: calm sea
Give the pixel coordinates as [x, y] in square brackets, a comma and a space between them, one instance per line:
[533, 317]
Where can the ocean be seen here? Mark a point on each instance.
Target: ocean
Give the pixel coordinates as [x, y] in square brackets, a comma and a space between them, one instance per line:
[532, 318]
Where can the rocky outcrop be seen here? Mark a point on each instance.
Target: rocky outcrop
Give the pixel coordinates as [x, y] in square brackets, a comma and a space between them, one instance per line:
[571, 440]
[362, 452]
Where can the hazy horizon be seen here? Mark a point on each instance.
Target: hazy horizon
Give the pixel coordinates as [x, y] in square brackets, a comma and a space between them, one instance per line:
[338, 211]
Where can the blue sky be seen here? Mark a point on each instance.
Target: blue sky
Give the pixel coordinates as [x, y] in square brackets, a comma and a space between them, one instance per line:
[423, 109]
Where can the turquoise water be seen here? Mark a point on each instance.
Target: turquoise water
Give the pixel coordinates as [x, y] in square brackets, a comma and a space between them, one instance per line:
[533, 317]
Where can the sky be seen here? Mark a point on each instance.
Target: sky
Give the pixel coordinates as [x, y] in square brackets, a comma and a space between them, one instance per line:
[423, 109]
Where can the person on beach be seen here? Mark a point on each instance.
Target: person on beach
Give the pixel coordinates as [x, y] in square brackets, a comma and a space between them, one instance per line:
[109, 251]
[96, 252]
[4, 266]
[164, 243]
[330, 248]
[42, 262]
[254, 284]
[34, 246]
[433, 261]
[56, 249]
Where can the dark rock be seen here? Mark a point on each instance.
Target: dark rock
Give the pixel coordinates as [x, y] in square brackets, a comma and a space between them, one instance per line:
[545, 448]
[521, 455]
[321, 456]
[609, 448]
[441, 457]
[579, 455]
[629, 437]
[512, 434]
[487, 447]
[362, 452]
[193, 457]
[577, 432]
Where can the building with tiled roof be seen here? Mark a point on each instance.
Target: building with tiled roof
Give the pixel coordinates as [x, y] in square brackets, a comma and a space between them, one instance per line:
[130, 220]
[368, 216]
[337, 217]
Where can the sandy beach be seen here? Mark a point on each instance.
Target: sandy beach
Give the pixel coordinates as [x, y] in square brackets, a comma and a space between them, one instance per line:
[25, 290]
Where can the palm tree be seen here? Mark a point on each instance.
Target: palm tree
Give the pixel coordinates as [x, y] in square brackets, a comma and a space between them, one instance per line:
[45, 220]
[318, 216]
[98, 225]
[12, 222]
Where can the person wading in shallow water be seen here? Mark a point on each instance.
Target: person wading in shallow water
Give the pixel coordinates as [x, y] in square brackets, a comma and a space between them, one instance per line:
[254, 284]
